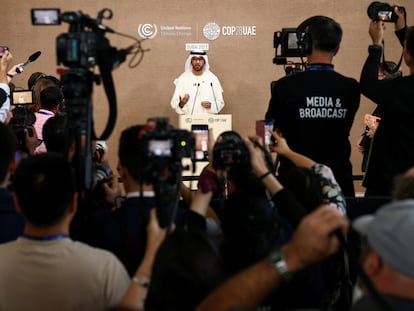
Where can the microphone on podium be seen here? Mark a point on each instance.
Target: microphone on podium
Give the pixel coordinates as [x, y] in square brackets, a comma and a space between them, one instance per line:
[214, 94]
[195, 97]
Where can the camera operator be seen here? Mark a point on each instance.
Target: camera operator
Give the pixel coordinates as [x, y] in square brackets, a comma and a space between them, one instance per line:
[391, 151]
[123, 230]
[318, 102]
[22, 124]
[4, 85]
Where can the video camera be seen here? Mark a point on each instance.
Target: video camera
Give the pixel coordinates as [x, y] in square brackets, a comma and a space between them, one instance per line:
[381, 11]
[286, 42]
[84, 42]
[165, 146]
[80, 49]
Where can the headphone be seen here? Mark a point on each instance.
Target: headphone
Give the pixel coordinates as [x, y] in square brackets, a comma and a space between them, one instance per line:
[303, 33]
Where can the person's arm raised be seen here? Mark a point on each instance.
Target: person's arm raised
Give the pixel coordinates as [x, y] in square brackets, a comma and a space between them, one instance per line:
[282, 148]
[313, 241]
[136, 293]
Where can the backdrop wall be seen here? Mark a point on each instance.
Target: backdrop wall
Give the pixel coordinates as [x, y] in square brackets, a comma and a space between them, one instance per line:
[241, 56]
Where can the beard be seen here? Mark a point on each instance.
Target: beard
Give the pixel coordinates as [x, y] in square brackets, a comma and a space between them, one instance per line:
[198, 67]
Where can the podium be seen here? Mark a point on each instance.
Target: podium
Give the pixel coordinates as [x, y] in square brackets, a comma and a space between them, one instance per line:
[218, 122]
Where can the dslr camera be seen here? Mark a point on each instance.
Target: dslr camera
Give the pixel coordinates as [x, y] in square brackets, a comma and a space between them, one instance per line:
[22, 119]
[230, 150]
[381, 11]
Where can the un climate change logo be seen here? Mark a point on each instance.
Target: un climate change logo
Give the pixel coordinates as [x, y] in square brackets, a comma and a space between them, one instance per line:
[147, 31]
[211, 31]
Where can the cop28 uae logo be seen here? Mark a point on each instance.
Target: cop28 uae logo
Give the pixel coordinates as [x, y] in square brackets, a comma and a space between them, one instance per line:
[147, 31]
[211, 31]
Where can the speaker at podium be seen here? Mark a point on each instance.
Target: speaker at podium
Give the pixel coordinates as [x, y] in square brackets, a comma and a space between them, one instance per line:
[199, 125]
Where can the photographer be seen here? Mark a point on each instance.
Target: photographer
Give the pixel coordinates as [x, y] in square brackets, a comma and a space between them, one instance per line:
[123, 230]
[391, 151]
[314, 110]
[310, 243]
[22, 124]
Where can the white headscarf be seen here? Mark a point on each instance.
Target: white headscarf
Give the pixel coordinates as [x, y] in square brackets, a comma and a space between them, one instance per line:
[197, 53]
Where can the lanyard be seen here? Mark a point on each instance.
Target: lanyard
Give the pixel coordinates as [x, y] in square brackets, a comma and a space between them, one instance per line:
[45, 238]
[319, 67]
[46, 113]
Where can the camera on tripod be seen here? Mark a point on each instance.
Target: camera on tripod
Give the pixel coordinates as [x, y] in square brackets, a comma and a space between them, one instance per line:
[79, 47]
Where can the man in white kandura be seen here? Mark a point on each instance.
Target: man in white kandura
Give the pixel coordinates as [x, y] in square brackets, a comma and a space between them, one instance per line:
[197, 90]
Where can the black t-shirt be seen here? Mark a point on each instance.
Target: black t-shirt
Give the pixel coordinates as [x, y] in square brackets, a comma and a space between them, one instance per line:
[124, 231]
[314, 110]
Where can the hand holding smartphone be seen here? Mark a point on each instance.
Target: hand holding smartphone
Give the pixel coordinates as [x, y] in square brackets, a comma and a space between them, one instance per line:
[200, 132]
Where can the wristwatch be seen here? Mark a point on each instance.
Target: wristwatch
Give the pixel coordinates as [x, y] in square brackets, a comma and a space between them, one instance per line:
[277, 261]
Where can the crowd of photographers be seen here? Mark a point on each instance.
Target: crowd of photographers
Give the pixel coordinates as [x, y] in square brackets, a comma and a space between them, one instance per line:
[251, 237]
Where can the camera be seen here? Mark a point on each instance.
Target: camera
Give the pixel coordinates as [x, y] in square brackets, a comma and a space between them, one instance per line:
[78, 47]
[165, 146]
[229, 151]
[22, 120]
[287, 40]
[381, 11]
[286, 45]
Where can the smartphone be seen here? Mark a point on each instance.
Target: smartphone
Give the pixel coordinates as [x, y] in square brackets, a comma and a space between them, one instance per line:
[45, 16]
[200, 132]
[23, 97]
[262, 130]
[3, 50]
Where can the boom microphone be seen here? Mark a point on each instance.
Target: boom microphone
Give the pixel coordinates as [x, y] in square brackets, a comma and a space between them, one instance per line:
[32, 58]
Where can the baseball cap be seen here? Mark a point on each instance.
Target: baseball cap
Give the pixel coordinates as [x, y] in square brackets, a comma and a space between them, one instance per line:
[390, 232]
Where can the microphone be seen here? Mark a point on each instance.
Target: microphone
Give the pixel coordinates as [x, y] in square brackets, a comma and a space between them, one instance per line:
[214, 94]
[32, 58]
[195, 97]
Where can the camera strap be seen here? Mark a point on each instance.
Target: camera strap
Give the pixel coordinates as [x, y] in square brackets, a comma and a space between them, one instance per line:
[386, 67]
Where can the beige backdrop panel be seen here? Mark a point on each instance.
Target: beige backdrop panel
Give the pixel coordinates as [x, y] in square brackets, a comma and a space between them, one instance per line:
[243, 63]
